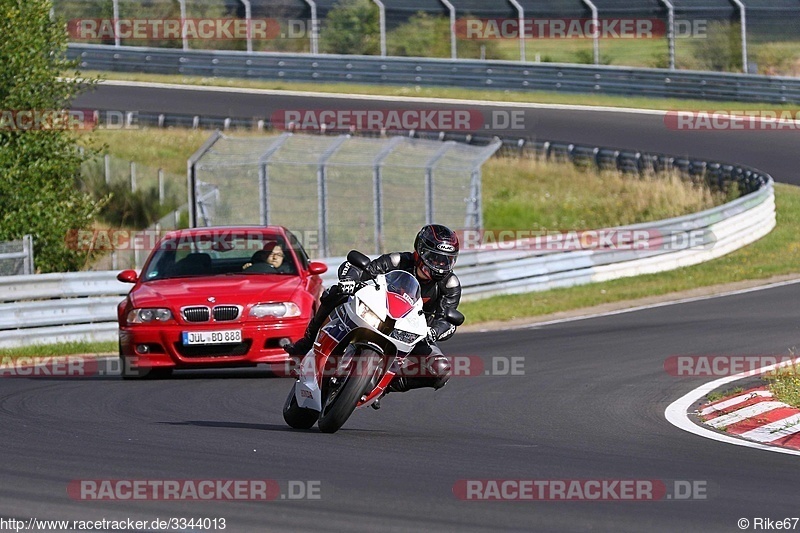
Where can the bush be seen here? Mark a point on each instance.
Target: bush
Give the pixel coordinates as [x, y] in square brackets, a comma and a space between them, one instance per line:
[351, 27]
[721, 50]
[429, 36]
[39, 169]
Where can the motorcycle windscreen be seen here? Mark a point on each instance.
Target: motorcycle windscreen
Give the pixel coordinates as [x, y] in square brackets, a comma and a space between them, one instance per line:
[402, 292]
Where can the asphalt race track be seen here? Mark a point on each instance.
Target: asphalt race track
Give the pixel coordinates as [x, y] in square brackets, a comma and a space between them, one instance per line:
[589, 405]
[775, 152]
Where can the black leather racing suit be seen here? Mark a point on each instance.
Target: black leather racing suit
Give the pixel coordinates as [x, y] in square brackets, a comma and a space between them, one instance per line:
[426, 365]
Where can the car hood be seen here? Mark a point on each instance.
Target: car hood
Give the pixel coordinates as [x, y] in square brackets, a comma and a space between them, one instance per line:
[240, 289]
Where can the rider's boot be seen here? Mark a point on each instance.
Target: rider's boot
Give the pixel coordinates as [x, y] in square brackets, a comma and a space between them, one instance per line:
[435, 374]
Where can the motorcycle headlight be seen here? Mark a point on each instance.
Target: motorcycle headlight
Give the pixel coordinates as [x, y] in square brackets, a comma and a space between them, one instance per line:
[147, 315]
[275, 310]
[366, 313]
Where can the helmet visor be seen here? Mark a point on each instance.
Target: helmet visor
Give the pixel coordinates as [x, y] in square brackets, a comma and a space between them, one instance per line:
[438, 261]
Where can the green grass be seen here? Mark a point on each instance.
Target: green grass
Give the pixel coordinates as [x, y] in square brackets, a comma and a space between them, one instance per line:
[67, 348]
[775, 254]
[785, 385]
[543, 97]
[714, 396]
[531, 194]
[149, 146]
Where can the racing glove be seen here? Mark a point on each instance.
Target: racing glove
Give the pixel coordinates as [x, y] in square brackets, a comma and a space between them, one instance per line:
[432, 336]
[348, 287]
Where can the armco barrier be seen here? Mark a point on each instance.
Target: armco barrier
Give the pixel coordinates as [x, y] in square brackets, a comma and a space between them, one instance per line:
[502, 75]
[63, 307]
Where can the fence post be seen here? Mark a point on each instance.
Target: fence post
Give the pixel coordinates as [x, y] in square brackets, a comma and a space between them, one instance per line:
[670, 32]
[263, 177]
[377, 186]
[429, 209]
[133, 176]
[27, 248]
[184, 37]
[596, 32]
[322, 192]
[248, 17]
[107, 168]
[453, 40]
[115, 8]
[191, 175]
[314, 27]
[382, 15]
[743, 20]
[160, 186]
[521, 12]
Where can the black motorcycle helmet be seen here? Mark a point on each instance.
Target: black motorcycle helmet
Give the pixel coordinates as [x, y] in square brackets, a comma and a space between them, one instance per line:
[436, 250]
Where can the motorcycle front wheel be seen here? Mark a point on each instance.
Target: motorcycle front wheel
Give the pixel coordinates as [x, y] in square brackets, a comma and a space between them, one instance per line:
[341, 401]
[298, 417]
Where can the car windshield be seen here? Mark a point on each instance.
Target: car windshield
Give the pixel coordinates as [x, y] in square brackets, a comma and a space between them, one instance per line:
[404, 285]
[220, 253]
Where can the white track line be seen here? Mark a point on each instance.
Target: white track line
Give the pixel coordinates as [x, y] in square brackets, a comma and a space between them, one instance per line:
[775, 430]
[380, 98]
[743, 414]
[644, 307]
[677, 412]
[721, 406]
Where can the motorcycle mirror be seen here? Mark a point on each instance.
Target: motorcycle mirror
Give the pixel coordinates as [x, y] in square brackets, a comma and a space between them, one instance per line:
[357, 259]
[454, 317]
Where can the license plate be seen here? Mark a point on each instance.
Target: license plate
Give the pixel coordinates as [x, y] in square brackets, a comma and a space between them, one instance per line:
[229, 336]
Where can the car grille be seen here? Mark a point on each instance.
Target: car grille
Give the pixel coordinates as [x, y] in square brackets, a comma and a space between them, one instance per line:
[196, 314]
[226, 312]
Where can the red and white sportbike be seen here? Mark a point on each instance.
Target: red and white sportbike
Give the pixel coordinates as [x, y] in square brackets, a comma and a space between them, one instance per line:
[357, 352]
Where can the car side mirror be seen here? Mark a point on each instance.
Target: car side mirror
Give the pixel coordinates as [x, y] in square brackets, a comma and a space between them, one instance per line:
[316, 268]
[128, 276]
[454, 317]
[357, 259]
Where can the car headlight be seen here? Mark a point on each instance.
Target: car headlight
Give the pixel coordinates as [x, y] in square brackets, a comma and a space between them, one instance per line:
[369, 317]
[275, 310]
[147, 315]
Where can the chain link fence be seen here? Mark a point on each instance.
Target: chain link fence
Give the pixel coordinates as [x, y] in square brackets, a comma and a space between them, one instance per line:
[757, 36]
[339, 192]
[16, 257]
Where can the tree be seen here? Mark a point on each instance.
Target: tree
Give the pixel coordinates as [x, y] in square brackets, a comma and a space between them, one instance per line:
[39, 168]
[351, 27]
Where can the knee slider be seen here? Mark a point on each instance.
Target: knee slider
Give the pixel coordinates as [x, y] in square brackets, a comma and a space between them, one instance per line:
[441, 370]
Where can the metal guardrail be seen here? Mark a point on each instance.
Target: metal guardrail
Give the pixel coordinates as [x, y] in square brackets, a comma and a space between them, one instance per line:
[502, 75]
[63, 307]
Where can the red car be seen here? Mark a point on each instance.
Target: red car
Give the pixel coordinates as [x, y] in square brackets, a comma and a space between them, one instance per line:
[213, 297]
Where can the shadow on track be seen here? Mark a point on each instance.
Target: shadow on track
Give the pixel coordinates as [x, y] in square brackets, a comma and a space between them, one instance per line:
[258, 427]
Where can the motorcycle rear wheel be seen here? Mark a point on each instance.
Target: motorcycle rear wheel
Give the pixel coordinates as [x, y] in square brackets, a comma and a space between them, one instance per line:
[338, 409]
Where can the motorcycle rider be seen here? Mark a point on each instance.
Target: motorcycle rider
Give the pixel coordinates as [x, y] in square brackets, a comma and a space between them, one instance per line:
[431, 262]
